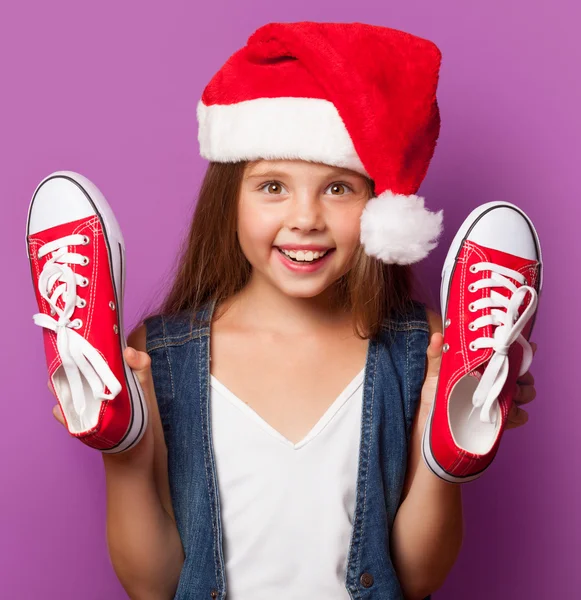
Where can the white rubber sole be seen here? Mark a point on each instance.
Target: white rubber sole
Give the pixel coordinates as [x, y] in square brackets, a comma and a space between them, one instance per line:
[451, 258]
[116, 252]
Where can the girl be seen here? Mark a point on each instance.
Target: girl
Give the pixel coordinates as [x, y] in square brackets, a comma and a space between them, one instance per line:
[289, 372]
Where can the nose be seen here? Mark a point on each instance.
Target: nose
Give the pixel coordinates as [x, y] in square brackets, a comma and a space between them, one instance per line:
[305, 212]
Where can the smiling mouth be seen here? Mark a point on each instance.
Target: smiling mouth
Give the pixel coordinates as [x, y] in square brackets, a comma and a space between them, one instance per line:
[305, 257]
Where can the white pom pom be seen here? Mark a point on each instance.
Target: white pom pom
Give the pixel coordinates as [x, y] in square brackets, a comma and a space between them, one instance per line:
[397, 228]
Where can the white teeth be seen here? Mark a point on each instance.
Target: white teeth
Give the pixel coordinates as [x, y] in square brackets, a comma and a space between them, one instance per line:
[303, 256]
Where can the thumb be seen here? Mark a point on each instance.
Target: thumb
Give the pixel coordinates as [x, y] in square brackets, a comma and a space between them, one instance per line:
[58, 414]
[434, 354]
[140, 364]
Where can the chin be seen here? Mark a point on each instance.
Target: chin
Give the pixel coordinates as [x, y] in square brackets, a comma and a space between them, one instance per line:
[307, 290]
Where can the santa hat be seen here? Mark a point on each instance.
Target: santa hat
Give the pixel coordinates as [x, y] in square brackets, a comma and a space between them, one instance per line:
[353, 95]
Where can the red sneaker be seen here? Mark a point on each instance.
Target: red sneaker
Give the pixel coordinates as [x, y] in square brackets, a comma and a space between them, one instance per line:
[491, 282]
[76, 254]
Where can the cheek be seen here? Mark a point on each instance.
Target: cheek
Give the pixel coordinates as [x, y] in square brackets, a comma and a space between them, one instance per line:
[257, 228]
[346, 227]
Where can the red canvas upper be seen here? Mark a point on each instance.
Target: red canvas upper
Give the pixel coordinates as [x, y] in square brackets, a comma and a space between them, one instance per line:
[98, 320]
[460, 360]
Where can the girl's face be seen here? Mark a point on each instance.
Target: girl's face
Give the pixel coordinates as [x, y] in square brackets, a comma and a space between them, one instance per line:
[303, 208]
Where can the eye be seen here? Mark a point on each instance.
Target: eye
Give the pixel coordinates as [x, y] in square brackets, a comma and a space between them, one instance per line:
[272, 185]
[338, 186]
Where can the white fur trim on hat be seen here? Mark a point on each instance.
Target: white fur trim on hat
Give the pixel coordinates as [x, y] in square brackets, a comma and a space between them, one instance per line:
[398, 229]
[276, 128]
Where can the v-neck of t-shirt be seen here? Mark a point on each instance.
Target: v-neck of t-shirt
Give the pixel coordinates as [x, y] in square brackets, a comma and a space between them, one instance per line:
[325, 419]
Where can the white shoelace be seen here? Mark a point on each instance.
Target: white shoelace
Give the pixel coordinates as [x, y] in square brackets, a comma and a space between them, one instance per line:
[77, 354]
[508, 330]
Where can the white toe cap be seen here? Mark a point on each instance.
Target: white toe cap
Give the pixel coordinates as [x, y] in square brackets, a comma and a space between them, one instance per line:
[506, 229]
[58, 200]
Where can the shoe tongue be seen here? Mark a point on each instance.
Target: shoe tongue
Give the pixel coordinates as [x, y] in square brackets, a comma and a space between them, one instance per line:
[60, 300]
[512, 261]
[58, 231]
[527, 267]
[60, 303]
[530, 269]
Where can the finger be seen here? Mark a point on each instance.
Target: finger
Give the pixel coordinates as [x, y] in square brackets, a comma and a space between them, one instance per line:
[534, 347]
[516, 417]
[526, 394]
[50, 388]
[140, 363]
[58, 414]
[434, 354]
[526, 379]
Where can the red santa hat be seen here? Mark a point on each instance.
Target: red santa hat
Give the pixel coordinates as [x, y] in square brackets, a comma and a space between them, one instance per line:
[352, 95]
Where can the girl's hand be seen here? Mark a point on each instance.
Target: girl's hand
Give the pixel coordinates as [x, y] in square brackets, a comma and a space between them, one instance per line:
[434, 359]
[142, 452]
[525, 392]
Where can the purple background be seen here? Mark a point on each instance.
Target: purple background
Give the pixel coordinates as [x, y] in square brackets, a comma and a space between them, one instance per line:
[110, 89]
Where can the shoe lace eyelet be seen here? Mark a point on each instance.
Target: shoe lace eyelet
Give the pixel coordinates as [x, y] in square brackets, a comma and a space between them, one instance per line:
[471, 307]
[473, 347]
[85, 261]
[82, 303]
[447, 323]
[471, 326]
[86, 240]
[445, 347]
[471, 288]
[472, 269]
[84, 282]
[77, 324]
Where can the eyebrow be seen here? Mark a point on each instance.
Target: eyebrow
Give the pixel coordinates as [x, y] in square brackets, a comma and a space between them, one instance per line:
[281, 174]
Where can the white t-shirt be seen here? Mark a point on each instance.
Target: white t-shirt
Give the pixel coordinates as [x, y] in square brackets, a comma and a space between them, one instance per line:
[287, 509]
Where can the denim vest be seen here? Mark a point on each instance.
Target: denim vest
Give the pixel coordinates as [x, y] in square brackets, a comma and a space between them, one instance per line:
[394, 371]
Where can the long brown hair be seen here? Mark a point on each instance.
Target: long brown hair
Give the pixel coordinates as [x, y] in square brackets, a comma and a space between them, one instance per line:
[212, 266]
